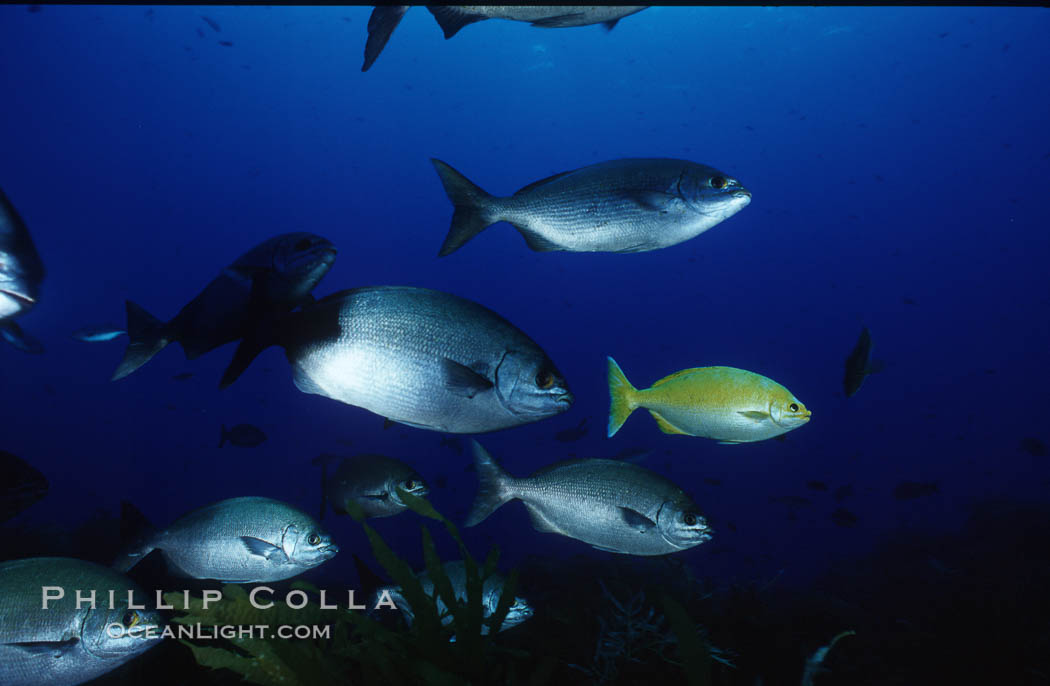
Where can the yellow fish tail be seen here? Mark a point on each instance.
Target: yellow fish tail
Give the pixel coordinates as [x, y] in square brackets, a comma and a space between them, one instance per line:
[623, 397]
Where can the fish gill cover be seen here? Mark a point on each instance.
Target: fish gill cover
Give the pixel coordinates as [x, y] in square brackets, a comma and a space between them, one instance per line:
[887, 272]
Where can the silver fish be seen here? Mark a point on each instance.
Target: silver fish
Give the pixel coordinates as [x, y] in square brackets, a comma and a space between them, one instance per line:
[241, 540]
[419, 357]
[621, 206]
[371, 481]
[613, 505]
[98, 334]
[21, 275]
[456, 572]
[451, 19]
[63, 645]
[276, 275]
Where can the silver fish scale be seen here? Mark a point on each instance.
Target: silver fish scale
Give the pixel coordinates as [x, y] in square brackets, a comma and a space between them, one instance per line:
[388, 357]
[583, 499]
[595, 208]
[206, 542]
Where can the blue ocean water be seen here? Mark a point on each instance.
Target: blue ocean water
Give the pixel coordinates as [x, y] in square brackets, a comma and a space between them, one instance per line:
[898, 160]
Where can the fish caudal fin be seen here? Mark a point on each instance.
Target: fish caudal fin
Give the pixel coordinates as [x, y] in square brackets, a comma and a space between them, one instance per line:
[147, 336]
[472, 213]
[137, 535]
[381, 25]
[492, 486]
[622, 397]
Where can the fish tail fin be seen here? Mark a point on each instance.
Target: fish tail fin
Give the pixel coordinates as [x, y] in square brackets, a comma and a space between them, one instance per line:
[473, 211]
[622, 397]
[147, 336]
[381, 25]
[493, 486]
[137, 535]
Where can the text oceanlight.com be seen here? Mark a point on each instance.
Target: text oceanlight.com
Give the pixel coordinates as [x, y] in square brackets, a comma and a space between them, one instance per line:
[198, 632]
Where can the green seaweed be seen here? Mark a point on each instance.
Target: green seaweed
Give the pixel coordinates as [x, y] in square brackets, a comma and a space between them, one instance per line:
[691, 646]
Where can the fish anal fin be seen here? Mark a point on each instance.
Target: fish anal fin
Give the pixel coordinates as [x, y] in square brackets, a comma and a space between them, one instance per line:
[540, 522]
[537, 242]
[666, 426]
[560, 21]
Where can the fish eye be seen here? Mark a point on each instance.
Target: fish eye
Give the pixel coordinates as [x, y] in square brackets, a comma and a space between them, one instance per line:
[544, 380]
[303, 244]
[130, 619]
[718, 182]
[410, 484]
[314, 539]
[793, 407]
[689, 519]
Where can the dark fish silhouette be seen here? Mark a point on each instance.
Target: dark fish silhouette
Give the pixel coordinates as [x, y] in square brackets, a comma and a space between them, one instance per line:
[21, 485]
[451, 19]
[370, 481]
[817, 485]
[909, 490]
[1033, 446]
[843, 517]
[275, 276]
[21, 275]
[634, 455]
[226, 43]
[212, 23]
[243, 435]
[574, 434]
[859, 364]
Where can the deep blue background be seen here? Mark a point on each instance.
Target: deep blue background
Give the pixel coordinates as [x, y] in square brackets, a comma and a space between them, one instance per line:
[899, 161]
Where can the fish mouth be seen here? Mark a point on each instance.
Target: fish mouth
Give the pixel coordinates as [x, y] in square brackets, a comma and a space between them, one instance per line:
[329, 551]
[741, 193]
[566, 399]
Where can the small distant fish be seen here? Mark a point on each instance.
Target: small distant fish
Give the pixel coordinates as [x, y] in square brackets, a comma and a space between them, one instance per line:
[574, 434]
[635, 455]
[240, 540]
[727, 404]
[619, 206]
[243, 435]
[226, 43]
[843, 517]
[843, 492]
[183, 376]
[614, 506]
[61, 642]
[200, 33]
[908, 301]
[909, 490]
[1033, 446]
[859, 364]
[21, 485]
[212, 23]
[451, 19]
[491, 590]
[791, 500]
[21, 277]
[97, 334]
[817, 485]
[370, 481]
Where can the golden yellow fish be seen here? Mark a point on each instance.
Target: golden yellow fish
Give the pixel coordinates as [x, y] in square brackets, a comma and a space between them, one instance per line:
[727, 404]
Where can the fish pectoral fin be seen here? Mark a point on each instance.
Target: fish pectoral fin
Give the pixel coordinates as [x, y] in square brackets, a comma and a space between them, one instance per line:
[654, 201]
[536, 242]
[636, 520]
[45, 648]
[261, 548]
[666, 426]
[541, 523]
[560, 21]
[462, 380]
[754, 415]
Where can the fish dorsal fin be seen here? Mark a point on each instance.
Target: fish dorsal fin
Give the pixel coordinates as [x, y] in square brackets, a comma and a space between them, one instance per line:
[636, 520]
[462, 380]
[674, 377]
[537, 242]
[540, 521]
[261, 548]
[541, 182]
[666, 426]
[560, 21]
